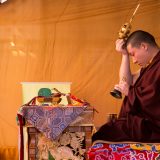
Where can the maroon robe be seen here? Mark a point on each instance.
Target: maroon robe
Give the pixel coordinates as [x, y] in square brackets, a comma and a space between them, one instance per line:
[139, 118]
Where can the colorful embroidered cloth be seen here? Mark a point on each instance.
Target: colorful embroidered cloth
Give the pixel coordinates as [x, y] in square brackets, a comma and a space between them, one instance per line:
[124, 151]
[51, 121]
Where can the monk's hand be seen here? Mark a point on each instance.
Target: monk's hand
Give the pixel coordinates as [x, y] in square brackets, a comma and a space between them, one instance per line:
[120, 46]
[123, 87]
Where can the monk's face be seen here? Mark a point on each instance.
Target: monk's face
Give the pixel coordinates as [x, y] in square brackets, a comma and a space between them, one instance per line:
[139, 54]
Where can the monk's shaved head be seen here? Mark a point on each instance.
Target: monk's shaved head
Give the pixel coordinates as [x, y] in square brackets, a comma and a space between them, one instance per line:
[138, 37]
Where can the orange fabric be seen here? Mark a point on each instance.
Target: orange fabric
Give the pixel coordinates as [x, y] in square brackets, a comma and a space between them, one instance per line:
[67, 40]
[8, 153]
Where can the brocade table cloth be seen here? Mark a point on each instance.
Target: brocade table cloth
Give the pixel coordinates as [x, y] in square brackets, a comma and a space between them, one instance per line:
[51, 121]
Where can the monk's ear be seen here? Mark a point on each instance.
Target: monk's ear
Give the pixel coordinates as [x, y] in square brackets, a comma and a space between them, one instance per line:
[144, 46]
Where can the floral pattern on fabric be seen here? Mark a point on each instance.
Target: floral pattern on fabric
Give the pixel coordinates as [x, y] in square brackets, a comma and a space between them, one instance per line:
[70, 146]
[138, 151]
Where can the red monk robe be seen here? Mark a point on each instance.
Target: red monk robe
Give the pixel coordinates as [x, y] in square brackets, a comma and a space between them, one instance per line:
[139, 118]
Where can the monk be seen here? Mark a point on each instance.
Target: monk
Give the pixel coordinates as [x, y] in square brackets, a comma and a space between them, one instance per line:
[139, 117]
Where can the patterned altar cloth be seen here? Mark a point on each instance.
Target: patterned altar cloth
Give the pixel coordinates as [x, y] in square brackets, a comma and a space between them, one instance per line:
[124, 151]
[51, 121]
